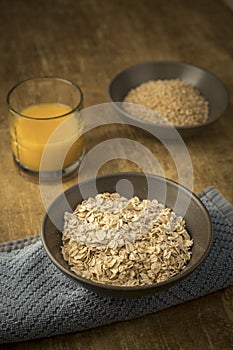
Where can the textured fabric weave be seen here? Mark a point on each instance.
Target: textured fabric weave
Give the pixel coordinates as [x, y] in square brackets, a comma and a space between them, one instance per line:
[37, 300]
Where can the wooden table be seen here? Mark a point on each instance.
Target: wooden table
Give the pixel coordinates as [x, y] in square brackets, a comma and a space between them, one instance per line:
[89, 41]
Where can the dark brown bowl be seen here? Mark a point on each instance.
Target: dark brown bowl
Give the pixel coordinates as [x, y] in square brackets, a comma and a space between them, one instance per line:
[197, 219]
[207, 83]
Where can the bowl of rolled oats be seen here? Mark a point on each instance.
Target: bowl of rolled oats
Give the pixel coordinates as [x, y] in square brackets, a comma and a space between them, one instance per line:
[127, 245]
[172, 93]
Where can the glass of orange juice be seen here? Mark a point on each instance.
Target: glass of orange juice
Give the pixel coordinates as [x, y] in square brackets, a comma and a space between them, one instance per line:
[46, 127]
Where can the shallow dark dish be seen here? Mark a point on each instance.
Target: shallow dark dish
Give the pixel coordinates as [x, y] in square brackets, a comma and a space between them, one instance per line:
[207, 83]
[197, 219]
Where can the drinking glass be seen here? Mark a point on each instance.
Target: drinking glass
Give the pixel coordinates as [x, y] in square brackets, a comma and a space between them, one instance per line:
[45, 126]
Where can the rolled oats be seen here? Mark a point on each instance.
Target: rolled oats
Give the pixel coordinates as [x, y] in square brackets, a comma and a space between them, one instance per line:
[114, 240]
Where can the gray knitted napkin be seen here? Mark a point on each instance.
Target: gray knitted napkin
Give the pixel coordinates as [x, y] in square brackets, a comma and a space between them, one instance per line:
[37, 300]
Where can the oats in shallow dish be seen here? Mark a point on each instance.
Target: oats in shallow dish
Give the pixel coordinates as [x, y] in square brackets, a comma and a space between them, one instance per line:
[173, 100]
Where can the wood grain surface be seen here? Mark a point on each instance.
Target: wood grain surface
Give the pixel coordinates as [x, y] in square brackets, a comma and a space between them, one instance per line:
[89, 41]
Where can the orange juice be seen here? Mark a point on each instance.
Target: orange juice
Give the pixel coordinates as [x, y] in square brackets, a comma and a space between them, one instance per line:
[48, 130]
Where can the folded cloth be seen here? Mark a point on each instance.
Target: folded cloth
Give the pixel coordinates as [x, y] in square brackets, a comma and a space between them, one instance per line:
[37, 300]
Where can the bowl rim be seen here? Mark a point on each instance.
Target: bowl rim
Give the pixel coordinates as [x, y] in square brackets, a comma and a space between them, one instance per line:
[180, 63]
[116, 288]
